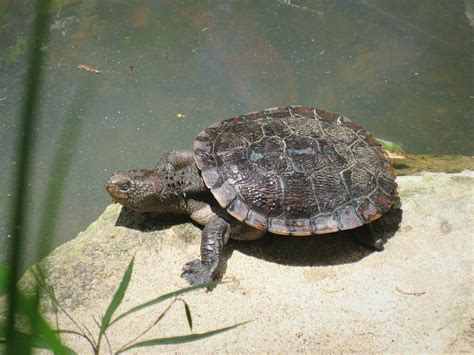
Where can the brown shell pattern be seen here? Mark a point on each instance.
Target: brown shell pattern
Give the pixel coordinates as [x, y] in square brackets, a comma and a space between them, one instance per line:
[296, 170]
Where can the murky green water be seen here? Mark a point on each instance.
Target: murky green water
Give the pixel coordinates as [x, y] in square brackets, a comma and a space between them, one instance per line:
[403, 69]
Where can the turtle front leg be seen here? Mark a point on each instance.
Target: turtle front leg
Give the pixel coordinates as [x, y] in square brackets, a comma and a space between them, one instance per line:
[214, 236]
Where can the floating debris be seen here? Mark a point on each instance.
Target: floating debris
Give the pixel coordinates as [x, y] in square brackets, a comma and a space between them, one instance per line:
[130, 70]
[180, 115]
[88, 69]
[299, 7]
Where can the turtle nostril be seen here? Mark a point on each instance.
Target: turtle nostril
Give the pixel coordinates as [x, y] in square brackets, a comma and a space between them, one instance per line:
[111, 187]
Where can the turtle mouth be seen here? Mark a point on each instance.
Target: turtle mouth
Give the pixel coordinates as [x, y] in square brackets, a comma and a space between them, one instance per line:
[114, 191]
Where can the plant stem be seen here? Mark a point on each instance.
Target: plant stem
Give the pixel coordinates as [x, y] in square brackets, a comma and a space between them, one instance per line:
[23, 171]
[149, 327]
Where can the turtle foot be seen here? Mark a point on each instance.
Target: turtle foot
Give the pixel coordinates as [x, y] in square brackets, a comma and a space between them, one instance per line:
[376, 244]
[371, 241]
[197, 273]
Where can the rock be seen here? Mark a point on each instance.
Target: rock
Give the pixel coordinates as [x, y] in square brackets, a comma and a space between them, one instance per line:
[410, 164]
[311, 294]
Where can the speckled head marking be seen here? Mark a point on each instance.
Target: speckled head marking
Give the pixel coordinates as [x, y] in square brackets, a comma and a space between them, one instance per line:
[138, 189]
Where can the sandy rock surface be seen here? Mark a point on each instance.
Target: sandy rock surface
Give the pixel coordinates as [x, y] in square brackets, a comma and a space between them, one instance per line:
[308, 294]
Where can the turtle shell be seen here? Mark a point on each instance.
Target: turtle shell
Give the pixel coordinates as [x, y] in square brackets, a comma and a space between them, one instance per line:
[296, 170]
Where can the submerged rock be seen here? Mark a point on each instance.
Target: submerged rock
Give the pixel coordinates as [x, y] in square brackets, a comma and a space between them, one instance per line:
[322, 293]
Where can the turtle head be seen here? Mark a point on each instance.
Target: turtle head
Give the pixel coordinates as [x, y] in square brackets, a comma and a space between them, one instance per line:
[138, 189]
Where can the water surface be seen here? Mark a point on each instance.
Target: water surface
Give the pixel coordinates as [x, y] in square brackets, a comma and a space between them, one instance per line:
[402, 69]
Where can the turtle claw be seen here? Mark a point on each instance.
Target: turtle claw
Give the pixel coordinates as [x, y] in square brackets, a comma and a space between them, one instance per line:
[197, 273]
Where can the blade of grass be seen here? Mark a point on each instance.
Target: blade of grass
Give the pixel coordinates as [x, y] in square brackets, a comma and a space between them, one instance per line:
[45, 336]
[36, 342]
[188, 315]
[49, 336]
[164, 297]
[24, 148]
[61, 164]
[79, 334]
[38, 274]
[3, 278]
[105, 336]
[181, 339]
[117, 299]
[57, 176]
[158, 319]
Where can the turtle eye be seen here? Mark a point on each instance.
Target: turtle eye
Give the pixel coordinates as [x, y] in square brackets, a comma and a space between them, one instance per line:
[124, 186]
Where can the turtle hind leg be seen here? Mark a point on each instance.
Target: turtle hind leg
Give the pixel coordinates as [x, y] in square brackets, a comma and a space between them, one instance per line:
[367, 236]
[214, 236]
[375, 234]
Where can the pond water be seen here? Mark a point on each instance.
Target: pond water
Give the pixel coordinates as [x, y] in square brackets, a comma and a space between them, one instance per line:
[402, 69]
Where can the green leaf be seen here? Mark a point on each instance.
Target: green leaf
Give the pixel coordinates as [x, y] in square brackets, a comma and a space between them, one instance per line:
[188, 315]
[118, 297]
[180, 339]
[45, 336]
[164, 297]
[390, 146]
[49, 338]
[3, 278]
[46, 339]
[38, 342]
[24, 164]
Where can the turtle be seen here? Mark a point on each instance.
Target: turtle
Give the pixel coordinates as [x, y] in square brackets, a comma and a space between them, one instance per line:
[294, 171]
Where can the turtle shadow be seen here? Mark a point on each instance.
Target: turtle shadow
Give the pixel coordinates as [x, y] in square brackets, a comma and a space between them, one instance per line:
[148, 221]
[320, 250]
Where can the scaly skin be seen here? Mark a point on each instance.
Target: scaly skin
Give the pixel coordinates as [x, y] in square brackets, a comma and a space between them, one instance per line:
[175, 186]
